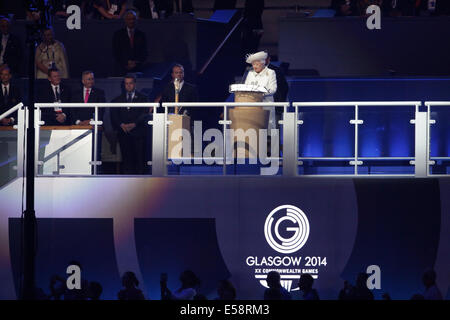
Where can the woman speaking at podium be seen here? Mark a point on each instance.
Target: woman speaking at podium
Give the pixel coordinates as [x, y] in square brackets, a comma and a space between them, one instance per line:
[264, 77]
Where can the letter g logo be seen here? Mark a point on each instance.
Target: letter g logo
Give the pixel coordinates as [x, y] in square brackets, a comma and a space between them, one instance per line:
[300, 229]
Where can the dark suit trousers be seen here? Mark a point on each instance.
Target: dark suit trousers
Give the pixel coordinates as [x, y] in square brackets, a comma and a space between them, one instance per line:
[133, 153]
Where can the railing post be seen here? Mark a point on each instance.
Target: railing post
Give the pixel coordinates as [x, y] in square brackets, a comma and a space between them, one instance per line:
[159, 155]
[421, 143]
[290, 156]
[21, 123]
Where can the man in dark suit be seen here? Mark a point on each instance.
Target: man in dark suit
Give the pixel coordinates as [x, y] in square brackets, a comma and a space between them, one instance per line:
[87, 94]
[131, 123]
[10, 47]
[55, 91]
[129, 47]
[9, 97]
[186, 92]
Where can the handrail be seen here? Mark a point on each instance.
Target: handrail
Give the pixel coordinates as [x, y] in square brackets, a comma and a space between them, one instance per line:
[100, 105]
[222, 104]
[202, 70]
[359, 103]
[12, 110]
[437, 103]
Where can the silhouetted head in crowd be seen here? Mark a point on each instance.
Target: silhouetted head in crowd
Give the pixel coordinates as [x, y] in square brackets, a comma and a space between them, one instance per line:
[361, 280]
[130, 83]
[273, 280]
[417, 297]
[4, 25]
[129, 280]
[306, 282]
[130, 19]
[130, 291]
[87, 78]
[226, 290]
[95, 290]
[189, 279]
[429, 278]
[54, 76]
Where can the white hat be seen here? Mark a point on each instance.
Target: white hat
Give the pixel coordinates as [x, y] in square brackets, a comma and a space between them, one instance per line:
[262, 55]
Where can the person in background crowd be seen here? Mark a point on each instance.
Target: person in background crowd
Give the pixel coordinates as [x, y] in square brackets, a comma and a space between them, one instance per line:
[226, 291]
[149, 9]
[131, 126]
[131, 290]
[187, 291]
[275, 290]
[10, 96]
[55, 92]
[129, 47]
[395, 8]
[110, 9]
[51, 54]
[432, 7]
[87, 94]
[10, 47]
[345, 8]
[432, 292]
[306, 286]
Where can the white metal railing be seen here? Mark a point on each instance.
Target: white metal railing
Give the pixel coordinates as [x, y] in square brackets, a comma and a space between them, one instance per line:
[429, 105]
[290, 122]
[356, 160]
[225, 121]
[10, 111]
[94, 123]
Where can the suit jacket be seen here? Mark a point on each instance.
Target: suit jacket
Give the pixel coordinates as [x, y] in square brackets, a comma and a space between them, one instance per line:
[139, 116]
[96, 95]
[122, 50]
[188, 93]
[46, 94]
[13, 98]
[13, 53]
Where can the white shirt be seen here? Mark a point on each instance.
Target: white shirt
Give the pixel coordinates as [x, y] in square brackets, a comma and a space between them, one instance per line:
[129, 32]
[132, 97]
[267, 79]
[86, 90]
[7, 88]
[181, 86]
[57, 109]
[4, 42]
[7, 91]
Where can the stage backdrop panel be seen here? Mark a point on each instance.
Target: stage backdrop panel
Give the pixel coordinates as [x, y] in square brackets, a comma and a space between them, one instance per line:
[236, 228]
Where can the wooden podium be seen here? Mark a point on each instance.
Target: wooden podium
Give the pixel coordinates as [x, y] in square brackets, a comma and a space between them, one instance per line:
[246, 118]
[173, 146]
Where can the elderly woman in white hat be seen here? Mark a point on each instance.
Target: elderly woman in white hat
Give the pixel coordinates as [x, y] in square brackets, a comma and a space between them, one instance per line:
[264, 77]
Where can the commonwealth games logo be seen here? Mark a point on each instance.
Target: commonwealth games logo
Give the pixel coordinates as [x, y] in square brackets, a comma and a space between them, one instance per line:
[299, 227]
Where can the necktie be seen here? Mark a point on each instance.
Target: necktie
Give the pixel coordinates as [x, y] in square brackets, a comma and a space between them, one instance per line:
[132, 38]
[86, 96]
[129, 97]
[57, 95]
[5, 94]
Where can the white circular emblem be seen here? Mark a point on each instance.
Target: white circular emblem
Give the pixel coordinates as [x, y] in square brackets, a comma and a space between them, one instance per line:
[300, 229]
